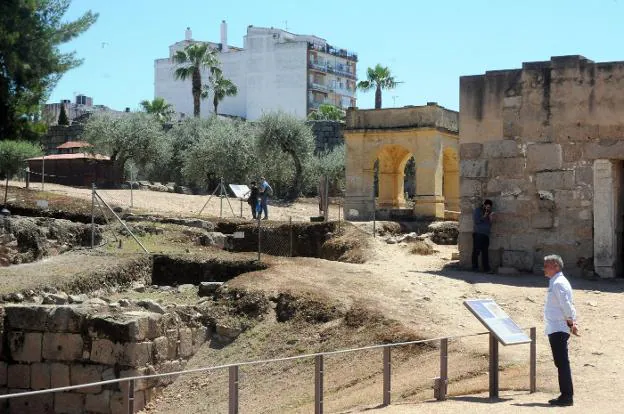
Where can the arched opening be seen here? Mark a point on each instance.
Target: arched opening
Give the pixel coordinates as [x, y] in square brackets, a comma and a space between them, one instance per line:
[389, 170]
[450, 180]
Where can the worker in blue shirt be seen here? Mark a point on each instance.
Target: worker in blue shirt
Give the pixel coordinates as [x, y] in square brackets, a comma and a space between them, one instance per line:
[265, 192]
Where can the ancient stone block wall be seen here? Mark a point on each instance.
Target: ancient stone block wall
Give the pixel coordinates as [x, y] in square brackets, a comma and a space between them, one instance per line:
[541, 207]
[56, 346]
[327, 134]
[545, 143]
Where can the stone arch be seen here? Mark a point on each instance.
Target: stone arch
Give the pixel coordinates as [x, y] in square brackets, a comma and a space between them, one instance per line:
[450, 179]
[392, 159]
[393, 136]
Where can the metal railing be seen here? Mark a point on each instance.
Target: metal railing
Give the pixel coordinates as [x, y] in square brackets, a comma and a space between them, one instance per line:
[318, 87]
[318, 66]
[440, 384]
[341, 72]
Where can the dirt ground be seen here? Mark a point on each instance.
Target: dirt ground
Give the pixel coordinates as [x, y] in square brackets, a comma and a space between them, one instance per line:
[424, 294]
[154, 202]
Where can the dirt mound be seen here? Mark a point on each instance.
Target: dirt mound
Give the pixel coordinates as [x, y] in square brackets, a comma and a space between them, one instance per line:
[307, 308]
[27, 239]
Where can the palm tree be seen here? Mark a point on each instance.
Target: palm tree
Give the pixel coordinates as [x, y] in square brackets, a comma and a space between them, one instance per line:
[327, 112]
[158, 107]
[220, 87]
[378, 78]
[191, 61]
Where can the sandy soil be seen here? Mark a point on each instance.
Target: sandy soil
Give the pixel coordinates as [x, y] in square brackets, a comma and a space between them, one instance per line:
[188, 205]
[426, 294]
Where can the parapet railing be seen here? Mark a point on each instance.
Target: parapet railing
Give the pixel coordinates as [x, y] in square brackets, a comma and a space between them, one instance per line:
[440, 384]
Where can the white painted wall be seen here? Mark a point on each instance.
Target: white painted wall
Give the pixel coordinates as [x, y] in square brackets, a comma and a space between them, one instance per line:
[270, 75]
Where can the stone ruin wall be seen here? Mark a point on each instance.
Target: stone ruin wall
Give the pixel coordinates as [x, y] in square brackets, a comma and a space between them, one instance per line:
[327, 135]
[55, 346]
[537, 141]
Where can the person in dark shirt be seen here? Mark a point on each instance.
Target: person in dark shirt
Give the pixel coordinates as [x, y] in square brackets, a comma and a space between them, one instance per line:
[482, 218]
[253, 199]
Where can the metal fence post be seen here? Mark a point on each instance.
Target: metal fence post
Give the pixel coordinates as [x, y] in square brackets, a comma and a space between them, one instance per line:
[290, 236]
[318, 384]
[42, 172]
[131, 397]
[533, 362]
[442, 381]
[233, 386]
[259, 230]
[493, 366]
[387, 375]
[374, 212]
[92, 214]
[339, 208]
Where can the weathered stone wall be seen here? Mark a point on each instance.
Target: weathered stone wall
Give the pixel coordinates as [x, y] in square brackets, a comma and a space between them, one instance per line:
[426, 116]
[327, 134]
[544, 143]
[55, 346]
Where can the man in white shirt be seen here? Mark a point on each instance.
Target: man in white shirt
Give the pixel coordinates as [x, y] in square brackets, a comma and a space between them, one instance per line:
[560, 320]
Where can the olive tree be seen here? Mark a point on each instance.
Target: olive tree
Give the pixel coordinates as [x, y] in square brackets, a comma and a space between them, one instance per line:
[285, 133]
[221, 148]
[136, 137]
[13, 155]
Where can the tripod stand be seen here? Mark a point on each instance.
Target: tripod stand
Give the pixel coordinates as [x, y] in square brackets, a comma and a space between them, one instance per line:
[222, 194]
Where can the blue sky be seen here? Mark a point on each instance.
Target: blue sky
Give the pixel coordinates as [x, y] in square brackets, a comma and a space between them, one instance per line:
[428, 45]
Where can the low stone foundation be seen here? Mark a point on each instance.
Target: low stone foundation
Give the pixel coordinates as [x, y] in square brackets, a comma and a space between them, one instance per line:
[55, 346]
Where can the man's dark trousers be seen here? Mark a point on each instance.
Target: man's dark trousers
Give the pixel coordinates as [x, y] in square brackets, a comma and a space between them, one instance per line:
[559, 345]
[480, 244]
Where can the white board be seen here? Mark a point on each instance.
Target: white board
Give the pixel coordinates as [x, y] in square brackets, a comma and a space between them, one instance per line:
[497, 321]
[240, 190]
[42, 204]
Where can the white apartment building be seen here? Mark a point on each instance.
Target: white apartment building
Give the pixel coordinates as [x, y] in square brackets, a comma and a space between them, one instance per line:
[275, 70]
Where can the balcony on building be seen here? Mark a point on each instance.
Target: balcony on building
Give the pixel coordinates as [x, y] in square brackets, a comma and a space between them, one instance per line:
[318, 87]
[329, 49]
[319, 66]
[341, 70]
[315, 103]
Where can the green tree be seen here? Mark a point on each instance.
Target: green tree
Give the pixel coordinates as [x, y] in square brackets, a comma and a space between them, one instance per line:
[285, 133]
[190, 62]
[138, 137]
[183, 136]
[327, 112]
[12, 157]
[220, 87]
[63, 119]
[158, 107]
[226, 148]
[378, 78]
[31, 62]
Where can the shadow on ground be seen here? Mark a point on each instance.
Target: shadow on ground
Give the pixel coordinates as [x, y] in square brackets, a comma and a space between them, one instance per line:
[527, 279]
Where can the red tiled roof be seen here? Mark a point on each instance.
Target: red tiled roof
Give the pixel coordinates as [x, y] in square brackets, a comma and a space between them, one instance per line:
[73, 144]
[80, 155]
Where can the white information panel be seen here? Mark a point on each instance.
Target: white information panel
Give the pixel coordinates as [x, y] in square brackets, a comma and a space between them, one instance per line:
[497, 321]
[240, 190]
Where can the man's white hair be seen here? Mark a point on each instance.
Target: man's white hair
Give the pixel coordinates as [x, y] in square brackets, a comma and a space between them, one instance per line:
[554, 258]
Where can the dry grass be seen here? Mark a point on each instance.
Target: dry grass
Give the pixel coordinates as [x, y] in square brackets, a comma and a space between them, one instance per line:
[420, 247]
[75, 272]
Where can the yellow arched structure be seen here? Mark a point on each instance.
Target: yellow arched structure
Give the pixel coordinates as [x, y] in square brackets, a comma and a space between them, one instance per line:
[450, 183]
[392, 136]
